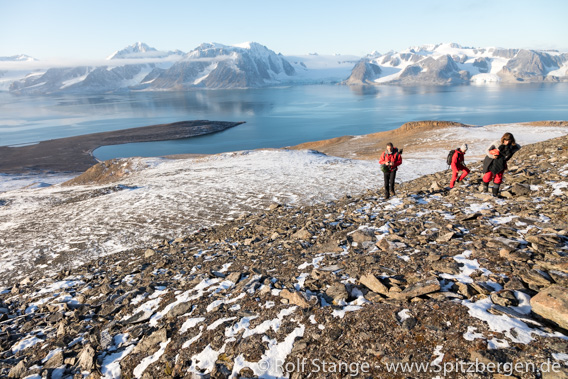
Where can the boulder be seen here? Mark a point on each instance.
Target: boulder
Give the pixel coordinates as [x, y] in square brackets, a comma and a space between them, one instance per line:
[273, 206]
[337, 292]
[371, 282]
[552, 304]
[557, 265]
[417, 289]
[19, 370]
[505, 298]
[447, 266]
[55, 361]
[363, 235]
[302, 234]
[537, 278]
[435, 186]
[140, 317]
[446, 237]
[519, 189]
[179, 309]
[515, 255]
[386, 245]
[87, 358]
[148, 343]
[544, 239]
[295, 298]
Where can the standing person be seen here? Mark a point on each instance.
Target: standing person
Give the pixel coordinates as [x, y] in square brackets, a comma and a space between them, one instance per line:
[495, 163]
[390, 160]
[459, 165]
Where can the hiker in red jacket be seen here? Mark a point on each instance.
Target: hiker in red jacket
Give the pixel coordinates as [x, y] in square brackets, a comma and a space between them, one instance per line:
[391, 158]
[458, 165]
[495, 163]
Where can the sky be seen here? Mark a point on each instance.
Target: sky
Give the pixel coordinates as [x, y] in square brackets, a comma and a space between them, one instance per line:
[87, 29]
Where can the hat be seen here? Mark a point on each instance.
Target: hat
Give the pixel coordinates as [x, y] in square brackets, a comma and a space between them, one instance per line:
[464, 147]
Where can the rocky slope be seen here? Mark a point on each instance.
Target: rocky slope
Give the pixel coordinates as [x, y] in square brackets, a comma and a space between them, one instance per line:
[445, 278]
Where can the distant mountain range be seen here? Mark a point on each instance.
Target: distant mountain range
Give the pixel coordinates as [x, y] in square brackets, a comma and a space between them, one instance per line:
[453, 64]
[140, 67]
[17, 58]
[141, 50]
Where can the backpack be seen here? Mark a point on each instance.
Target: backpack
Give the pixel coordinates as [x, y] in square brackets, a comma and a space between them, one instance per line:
[450, 156]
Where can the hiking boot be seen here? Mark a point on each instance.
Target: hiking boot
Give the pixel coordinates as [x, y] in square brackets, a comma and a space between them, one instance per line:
[485, 187]
[496, 191]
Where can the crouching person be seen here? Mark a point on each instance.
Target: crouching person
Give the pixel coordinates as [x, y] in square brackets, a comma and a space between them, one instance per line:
[495, 163]
[458, 165]
[390, 159]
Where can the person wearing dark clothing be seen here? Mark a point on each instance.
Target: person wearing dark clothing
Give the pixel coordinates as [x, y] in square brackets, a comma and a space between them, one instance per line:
[495, 163]
[390, 160]
[459, 165]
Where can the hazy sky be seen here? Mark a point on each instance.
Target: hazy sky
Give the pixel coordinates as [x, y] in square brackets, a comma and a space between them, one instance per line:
[94, 29]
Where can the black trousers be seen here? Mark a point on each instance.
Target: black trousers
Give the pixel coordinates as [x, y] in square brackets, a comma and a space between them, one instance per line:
[389, 182]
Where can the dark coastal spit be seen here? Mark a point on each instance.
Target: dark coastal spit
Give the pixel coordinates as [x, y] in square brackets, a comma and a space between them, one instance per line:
[74, 154]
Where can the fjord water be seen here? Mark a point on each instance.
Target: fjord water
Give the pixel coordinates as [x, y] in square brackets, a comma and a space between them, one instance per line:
[275, 117]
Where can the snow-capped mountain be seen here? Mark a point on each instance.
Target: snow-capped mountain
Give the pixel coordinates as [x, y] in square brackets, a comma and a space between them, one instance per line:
[117, 76]
[18, 58]
[364, 72]
[140, 50]
[210, 65]
[213, 65]
[251, 65]
[83, 79]
[451, 63]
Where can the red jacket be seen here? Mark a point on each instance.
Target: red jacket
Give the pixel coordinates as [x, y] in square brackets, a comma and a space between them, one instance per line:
[395, 157]
[457, 160]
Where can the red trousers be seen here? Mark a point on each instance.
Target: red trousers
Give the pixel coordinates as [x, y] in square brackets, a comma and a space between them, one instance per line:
[464, 170]
[489, 175]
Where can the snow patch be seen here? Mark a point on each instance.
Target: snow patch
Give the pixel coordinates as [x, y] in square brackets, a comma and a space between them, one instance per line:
[469, 267]
[271, 361]
[139, 370]
[110, 367]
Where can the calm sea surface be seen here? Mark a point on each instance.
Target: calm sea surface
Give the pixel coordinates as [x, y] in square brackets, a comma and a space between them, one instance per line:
[275, 117]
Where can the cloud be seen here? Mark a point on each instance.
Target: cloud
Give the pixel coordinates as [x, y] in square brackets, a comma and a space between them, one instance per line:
[56, 63]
